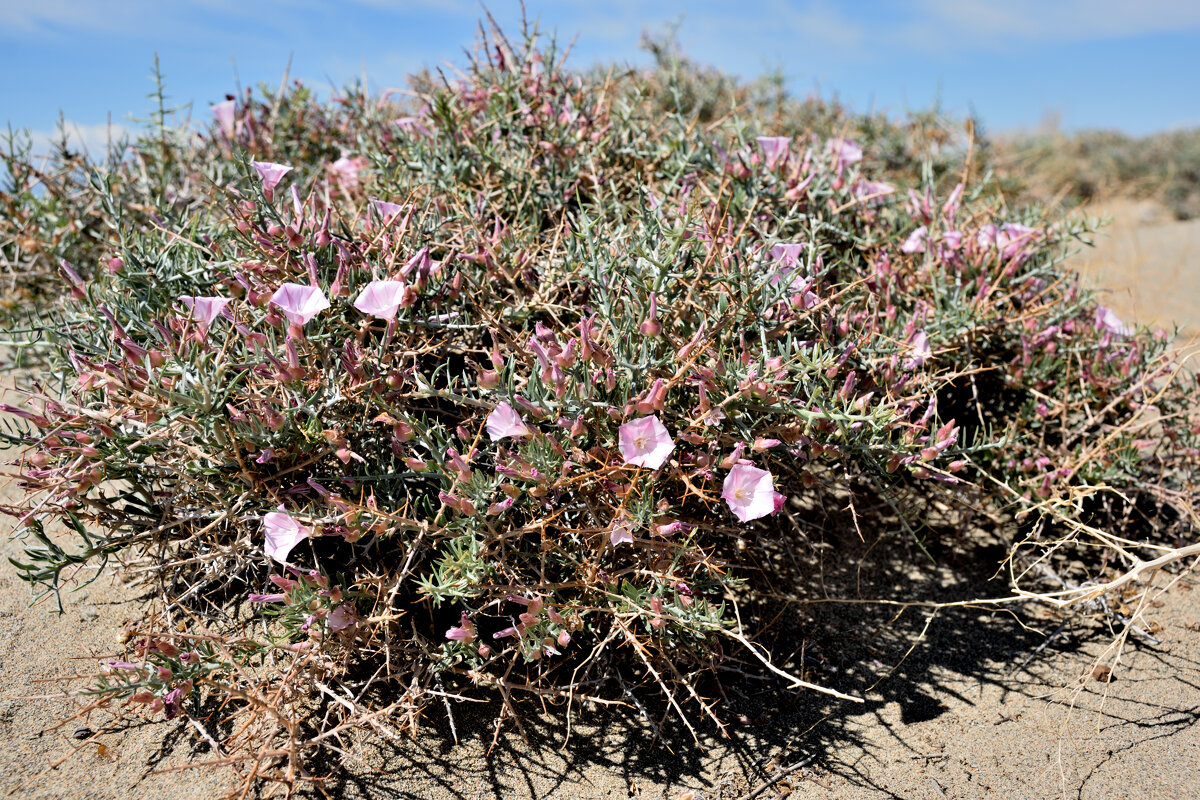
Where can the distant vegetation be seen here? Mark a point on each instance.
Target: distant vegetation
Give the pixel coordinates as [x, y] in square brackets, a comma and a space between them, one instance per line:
[1098, 165]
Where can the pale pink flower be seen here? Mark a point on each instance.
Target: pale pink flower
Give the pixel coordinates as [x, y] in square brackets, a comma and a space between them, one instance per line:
[848, 152]
[1108, 321]
[282, 534]
[775, 149]
[919, 344]
[389, 212]
[223, 112]
[205, 309]
[346, 169]
[786, 255]
[341, 618]
[645, 442]
[505, 422]
[412, 125]
[622, 531]
[299, 303]
[872, 190]
[464, 633]
[271, 174]
[749, 491]
[915, 242]
[381, 299]
[1013, 237]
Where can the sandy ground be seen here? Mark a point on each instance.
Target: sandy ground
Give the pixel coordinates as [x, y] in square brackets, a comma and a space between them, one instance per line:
[965, 703]
[1148, 263]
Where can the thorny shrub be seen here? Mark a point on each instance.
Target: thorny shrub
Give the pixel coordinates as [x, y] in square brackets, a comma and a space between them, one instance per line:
[484, 387]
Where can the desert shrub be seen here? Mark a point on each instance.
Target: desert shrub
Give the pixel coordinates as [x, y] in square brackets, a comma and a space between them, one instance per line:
[1096, 165]
[486, 391]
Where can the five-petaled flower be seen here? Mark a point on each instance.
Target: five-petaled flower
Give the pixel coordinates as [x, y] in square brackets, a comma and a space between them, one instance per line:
[465, 632]
[847, 151]
[299, 303]
[1106, 320]
[645, 442]
[389, 212]
[282, 534]
[504, 422]
[775, 148]
[204, 310]
[224, 114]
[381, 299]
[750, 492]
[622, 531]
[919, 344]
[270, 173]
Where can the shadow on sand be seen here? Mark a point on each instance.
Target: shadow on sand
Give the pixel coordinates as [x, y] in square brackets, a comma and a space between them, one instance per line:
[915, 657]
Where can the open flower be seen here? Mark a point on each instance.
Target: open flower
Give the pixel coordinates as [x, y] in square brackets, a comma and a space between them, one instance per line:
[915, 242]
[750, 492]
[465, 632]
[223, 112]
[504, 422]
[919, 344]
[1106, 320]
[847, 151]
[622, 531]
[775, 148]
[271, 174]
[204, 309]
[645, 442]
[346, 170]
[389, 212]
[282, 534]
[341, 618]
[381, 299]
[299, 303]
[786, 255]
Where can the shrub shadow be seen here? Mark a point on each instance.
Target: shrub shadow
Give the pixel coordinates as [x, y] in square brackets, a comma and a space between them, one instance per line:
[815, 598]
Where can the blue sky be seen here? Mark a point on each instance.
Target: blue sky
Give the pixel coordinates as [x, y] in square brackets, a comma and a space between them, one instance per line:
[1133, 66]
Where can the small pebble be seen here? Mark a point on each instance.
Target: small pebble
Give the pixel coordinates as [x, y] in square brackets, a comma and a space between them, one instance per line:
[83, 732]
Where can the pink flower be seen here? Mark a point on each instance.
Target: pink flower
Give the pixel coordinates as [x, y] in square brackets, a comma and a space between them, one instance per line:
[622, 531]
[346, 169]
[1013, 237]
[299, 303]
[872, 190]
[786, 255]
[270, 174]
[341, 618]
[505, 422]
[277, 597]
[381, 299]
[749, 491]
[915, 242]
[645, 442]
[282, 534]
[919, 343]
[412, 125]
[205, 309]
[1106, 320]
[775, 148]
[464, 633]
[389, 212]
[847, 151]
[224, 112]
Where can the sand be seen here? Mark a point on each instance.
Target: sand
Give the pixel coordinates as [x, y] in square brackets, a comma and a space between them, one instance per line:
[965, 703]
